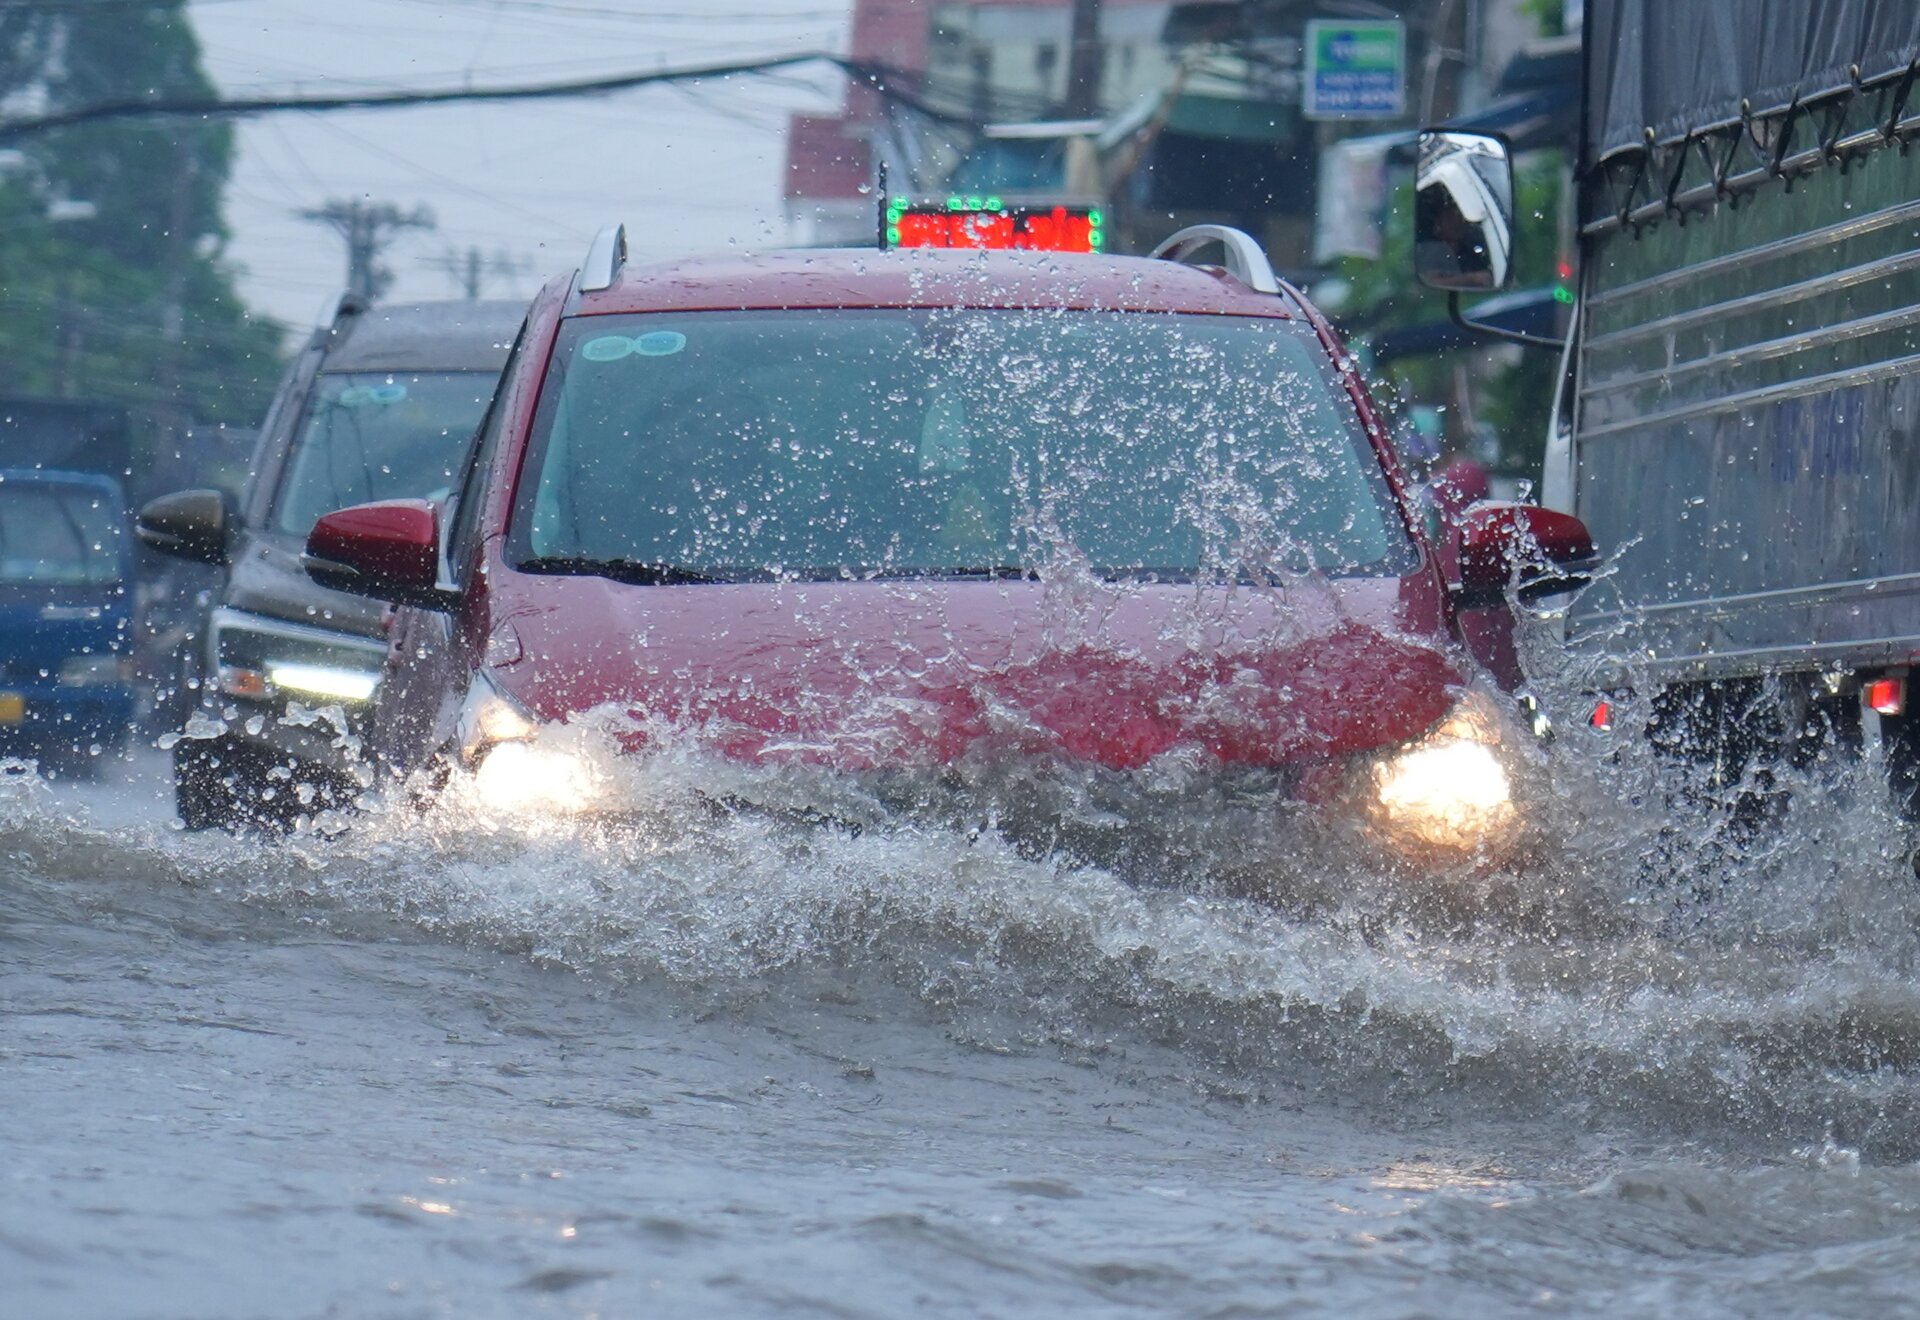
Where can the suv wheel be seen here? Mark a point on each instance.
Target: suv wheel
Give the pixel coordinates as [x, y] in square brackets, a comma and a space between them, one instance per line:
[216, 784]
[227, 784]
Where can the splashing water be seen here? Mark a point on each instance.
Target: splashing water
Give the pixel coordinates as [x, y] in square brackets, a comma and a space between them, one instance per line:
[1195, 910]
[1633, 976]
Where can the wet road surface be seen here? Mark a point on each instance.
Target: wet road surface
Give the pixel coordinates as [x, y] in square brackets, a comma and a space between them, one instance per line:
[746, 1067]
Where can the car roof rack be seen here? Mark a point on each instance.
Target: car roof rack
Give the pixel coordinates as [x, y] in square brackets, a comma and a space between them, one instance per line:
[1244, 259]
[605, 256]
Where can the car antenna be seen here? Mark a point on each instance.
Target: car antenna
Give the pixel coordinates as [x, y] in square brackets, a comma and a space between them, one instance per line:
[880, 206]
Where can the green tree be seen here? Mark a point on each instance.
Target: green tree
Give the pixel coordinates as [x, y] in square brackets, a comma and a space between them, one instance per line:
[112, 273]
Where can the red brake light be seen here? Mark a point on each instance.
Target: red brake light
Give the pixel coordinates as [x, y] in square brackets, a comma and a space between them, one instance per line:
[1602, 717]
[1885, 696]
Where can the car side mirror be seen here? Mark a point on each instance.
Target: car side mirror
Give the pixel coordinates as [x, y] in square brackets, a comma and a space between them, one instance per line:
[189, 524]
[1463, 212]
[389, 550]
[1536, 551]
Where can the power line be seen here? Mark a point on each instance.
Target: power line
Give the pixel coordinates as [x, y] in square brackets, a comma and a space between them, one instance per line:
[445, 180]
[90, 6]
[879, 77]
[726, 17]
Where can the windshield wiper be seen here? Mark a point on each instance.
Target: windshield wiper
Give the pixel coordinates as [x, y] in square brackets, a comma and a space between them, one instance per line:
[634, 572]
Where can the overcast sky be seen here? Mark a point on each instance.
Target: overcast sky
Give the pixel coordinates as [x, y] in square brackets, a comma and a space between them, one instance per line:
[687, 168]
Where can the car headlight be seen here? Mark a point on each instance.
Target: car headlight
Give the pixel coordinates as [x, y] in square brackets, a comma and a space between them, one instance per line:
[526, 777]
[513, 770]
[95, 670]
[488, 717]
[1450, 789]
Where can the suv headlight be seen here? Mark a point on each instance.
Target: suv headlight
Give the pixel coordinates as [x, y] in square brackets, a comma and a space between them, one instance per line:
[95, 670]
[1450, 789]
[336, 681]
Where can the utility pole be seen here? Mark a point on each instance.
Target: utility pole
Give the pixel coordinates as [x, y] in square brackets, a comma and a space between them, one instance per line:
[1083, 62]
[470, 271]
[464, 269]
[1446, 43]
[368, 228]
[173, 313]
[67, 364]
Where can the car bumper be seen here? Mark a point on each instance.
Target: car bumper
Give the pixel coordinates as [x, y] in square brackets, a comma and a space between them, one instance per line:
[327, 736]
[296, 693]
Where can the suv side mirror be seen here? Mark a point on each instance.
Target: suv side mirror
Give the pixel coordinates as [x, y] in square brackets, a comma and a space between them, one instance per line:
[1463, 212]
[389, 550]
[1540, 551]
[189, 524]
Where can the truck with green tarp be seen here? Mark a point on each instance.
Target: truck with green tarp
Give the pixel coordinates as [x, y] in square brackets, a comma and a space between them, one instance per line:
[1738, 414]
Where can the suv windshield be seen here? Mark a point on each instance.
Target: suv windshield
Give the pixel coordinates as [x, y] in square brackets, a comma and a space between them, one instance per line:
[900, 443]
[380, 436]
[65, 536]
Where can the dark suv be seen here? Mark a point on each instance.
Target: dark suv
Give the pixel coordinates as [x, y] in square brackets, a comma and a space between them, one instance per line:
[380, 404]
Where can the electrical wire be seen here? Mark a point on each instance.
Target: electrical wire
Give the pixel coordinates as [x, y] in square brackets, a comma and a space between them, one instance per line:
[882, 79]
[723, 17]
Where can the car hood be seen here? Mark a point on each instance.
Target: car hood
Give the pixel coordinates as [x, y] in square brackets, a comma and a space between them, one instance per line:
[860, 675]
[267, 578]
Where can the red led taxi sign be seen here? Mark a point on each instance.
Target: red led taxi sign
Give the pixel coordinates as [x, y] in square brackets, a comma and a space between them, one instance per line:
[987, 222]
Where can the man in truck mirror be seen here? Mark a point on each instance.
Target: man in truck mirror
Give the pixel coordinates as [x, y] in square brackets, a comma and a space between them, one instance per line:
[1463, 212]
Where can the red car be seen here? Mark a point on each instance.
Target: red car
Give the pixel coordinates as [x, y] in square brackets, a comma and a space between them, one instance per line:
[871, 510]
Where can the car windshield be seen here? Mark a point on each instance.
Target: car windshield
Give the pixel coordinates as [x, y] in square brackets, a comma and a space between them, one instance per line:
[51, 535]
[758, 445]
[380, 436]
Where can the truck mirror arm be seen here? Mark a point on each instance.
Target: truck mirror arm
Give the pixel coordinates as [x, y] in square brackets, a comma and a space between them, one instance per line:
[1461, 319]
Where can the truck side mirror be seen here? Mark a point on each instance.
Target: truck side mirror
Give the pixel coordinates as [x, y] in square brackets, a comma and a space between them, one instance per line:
[1537, 551]
[189, 524]
[1463, 212]
[389, 550]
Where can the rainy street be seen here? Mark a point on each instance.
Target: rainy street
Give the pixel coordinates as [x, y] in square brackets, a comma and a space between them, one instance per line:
[376, 1076]
[989, 658]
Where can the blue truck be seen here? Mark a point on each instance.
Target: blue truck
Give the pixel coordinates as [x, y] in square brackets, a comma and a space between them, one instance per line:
[66, 581]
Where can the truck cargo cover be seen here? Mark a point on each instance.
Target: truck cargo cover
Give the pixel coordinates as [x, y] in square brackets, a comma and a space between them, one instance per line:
[1677, 65]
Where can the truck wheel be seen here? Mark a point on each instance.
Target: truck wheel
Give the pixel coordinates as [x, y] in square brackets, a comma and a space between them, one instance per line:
[216, 785]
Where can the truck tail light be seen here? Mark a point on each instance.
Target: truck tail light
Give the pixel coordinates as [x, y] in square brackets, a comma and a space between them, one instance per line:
[1885, 696]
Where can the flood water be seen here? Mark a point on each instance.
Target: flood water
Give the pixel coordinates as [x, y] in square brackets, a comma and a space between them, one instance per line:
[703, 1062]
